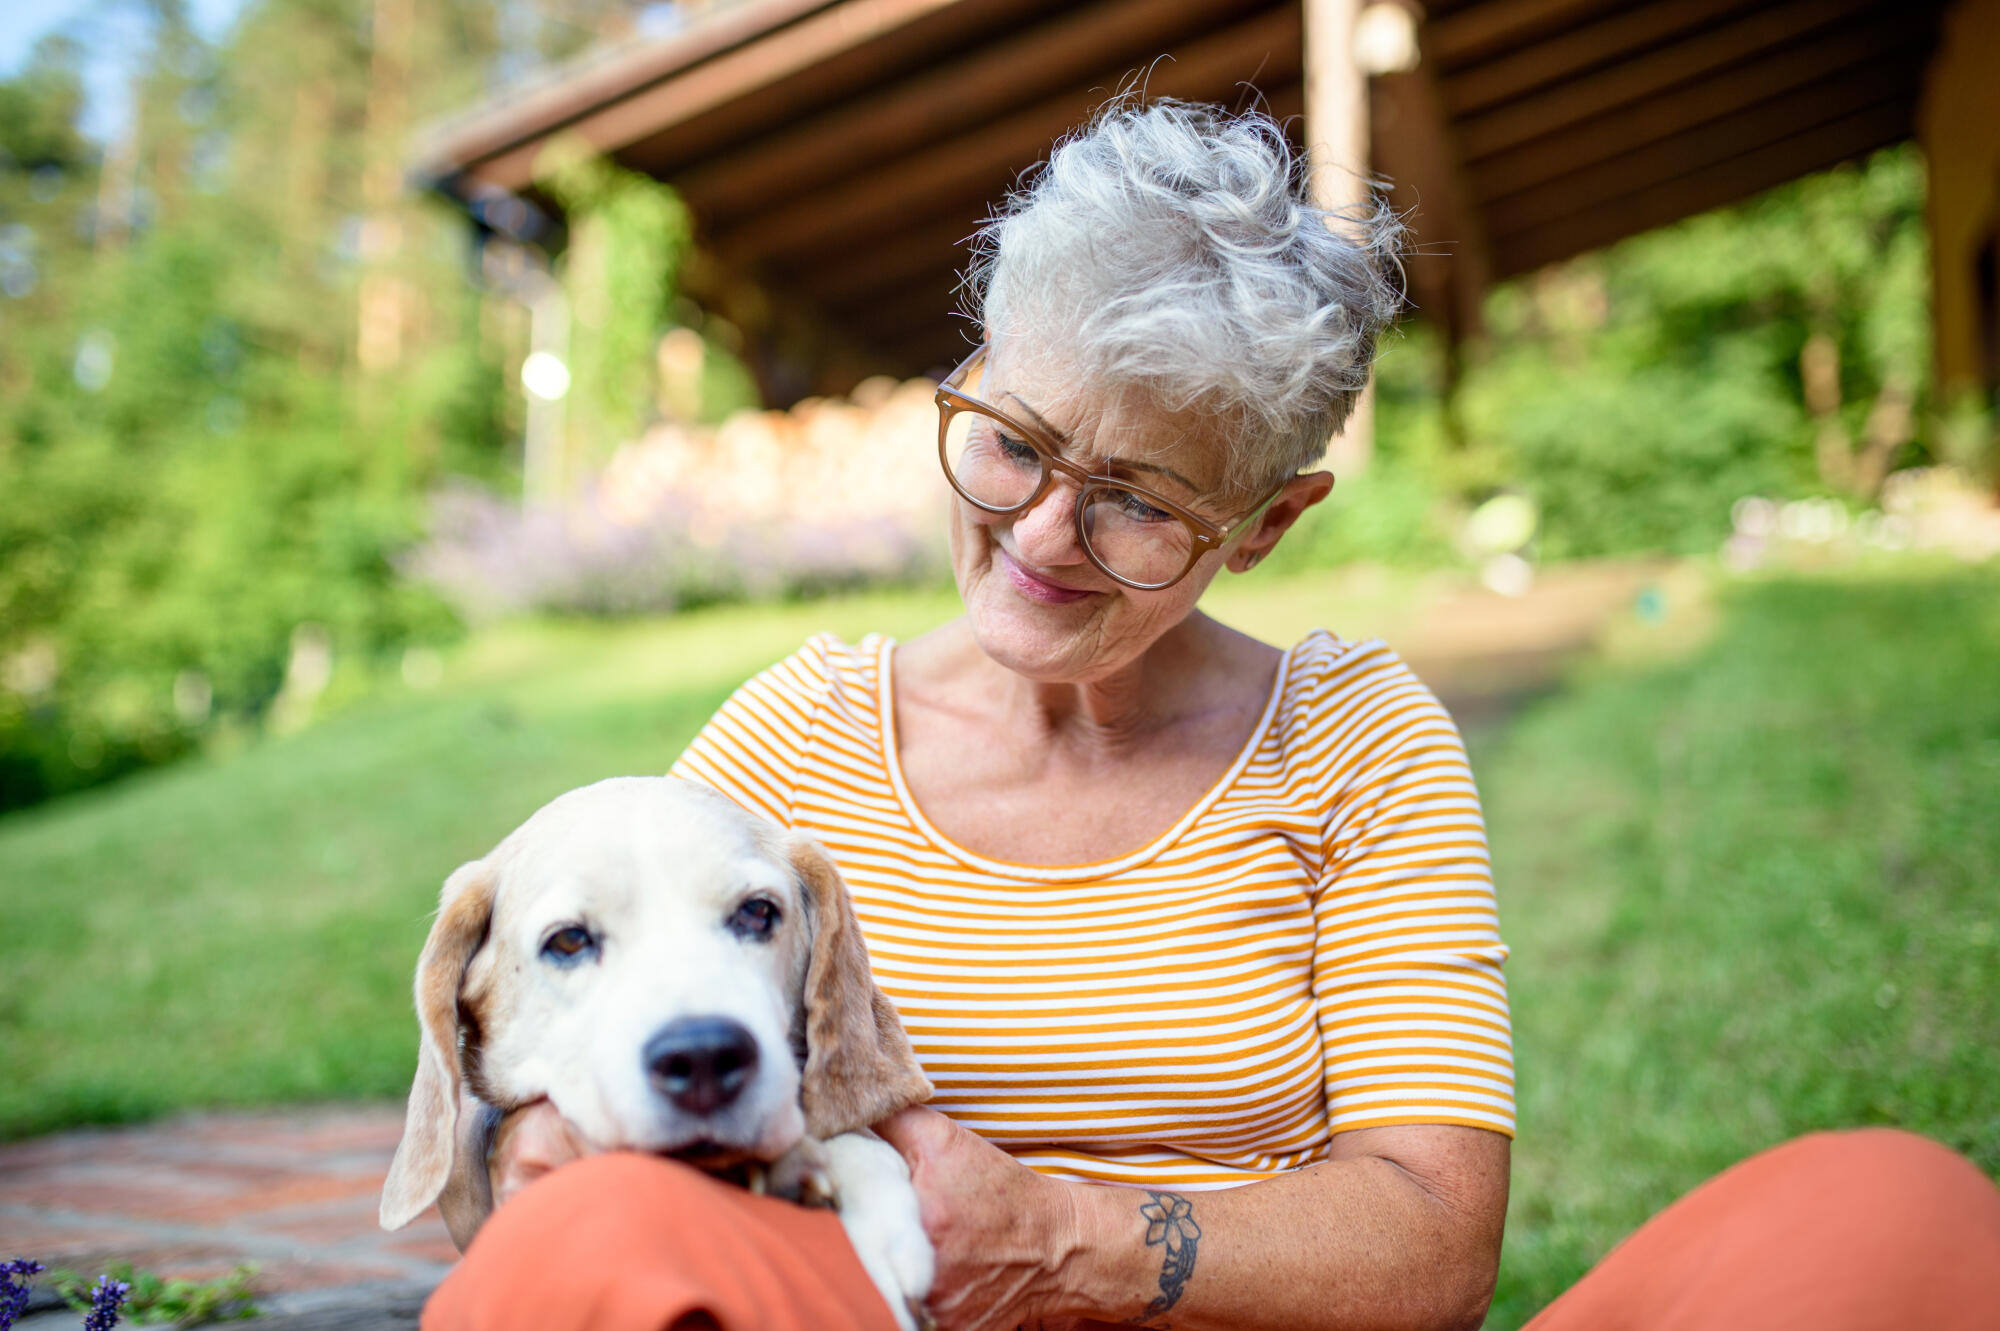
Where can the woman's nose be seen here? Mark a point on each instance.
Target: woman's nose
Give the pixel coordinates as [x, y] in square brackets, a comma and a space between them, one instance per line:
[1045, 534]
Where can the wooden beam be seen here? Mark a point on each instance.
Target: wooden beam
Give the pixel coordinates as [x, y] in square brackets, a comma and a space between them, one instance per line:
[955, 92]
[1696, 149]
[575, 88]
[891, 56]
[929, 305]
[1566, 104]
[930, 352]
[1449, 267]
[857, 276]
[1486, 29]
[1779, 70]
[1337, 137]
[853, 287]
[979, 165]
[1666, 201]
[728, 75]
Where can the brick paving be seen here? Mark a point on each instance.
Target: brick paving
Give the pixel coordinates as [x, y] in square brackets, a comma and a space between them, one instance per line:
[293, 1191]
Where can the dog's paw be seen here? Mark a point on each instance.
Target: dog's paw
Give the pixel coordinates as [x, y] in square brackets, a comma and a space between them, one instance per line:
[803, 1175]
[878, 1208]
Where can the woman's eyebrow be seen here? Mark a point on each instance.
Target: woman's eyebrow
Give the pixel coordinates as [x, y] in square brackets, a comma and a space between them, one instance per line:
[1064, 440]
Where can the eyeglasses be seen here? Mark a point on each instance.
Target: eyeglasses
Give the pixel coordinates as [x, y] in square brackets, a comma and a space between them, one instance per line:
[1001, 464]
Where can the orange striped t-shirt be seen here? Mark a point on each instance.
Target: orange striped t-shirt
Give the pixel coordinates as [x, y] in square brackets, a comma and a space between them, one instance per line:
[1312, 948]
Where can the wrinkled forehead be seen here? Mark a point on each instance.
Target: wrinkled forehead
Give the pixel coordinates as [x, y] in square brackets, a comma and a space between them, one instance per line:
[639, 850]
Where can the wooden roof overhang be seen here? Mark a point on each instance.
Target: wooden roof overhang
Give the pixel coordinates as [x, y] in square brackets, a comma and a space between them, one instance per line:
[839, 151]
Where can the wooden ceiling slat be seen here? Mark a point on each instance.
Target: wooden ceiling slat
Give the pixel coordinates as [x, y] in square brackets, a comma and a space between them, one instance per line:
[1779, 70]
[1621, 36]
[575, 89]
[929, 353]
[961, 89]
[930, 302]
[1688, 152]
[890, 55]
[980, 164]
[1572, 106]
[1664, 201]
[732, 75]
[885, 262]
[878, 265]
[1486, 30]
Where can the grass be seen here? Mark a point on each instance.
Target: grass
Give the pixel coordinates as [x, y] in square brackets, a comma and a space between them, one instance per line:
[1749, 895]
[1750, 891]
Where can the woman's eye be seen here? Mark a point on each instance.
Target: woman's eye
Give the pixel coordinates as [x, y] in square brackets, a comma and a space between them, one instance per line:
[1015, 450]
[1137, 509]
[755, 919]
[569, 943]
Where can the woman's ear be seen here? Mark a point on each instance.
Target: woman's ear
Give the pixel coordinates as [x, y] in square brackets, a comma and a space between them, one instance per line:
[859, 1068]
[1300, 493]
[430, 1128]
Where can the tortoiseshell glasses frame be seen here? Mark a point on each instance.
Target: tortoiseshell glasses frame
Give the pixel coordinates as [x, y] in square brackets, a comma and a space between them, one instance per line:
[1203, 535]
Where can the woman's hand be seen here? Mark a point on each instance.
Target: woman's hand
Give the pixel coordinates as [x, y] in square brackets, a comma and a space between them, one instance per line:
[1002, 1231]
[529, 1142]
[495, 1155]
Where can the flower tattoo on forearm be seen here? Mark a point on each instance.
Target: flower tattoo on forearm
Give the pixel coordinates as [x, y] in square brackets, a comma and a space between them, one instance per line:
[1170, 1222]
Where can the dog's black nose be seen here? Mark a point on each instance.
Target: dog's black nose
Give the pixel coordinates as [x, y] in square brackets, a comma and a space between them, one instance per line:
[701, 1063]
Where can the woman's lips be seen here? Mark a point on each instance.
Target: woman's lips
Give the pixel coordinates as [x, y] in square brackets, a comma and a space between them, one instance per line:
[1037, 588]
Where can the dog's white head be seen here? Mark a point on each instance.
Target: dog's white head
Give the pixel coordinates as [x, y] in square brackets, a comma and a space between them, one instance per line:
[673, 973]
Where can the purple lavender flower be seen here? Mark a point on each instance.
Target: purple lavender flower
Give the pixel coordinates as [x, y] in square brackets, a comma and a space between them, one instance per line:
[14, 1288]
[105, 1299]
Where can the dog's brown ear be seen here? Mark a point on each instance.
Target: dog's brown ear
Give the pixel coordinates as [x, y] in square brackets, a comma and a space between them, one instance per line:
[423, 1157]
[859, 1068]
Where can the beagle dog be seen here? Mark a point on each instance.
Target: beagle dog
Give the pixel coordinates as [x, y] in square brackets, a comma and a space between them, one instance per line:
[676, 976]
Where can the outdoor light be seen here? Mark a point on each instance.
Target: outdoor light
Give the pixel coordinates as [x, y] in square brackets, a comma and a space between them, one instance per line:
[544, 375]
[1385, 39]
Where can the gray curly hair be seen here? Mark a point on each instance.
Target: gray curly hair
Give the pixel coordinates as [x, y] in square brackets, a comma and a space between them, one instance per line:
[1174, 247]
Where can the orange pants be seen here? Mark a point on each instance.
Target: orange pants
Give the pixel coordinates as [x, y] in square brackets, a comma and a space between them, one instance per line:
[1849, 1231]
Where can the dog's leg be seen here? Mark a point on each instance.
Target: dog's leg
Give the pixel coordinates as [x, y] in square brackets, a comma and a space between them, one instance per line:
[878, 1207]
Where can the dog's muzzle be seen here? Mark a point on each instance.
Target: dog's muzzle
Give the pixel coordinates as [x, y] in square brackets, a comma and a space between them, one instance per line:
[701, 1064]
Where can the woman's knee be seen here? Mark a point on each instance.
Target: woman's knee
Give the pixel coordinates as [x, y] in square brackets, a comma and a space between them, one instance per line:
[1879, 1167]
[605, 1223]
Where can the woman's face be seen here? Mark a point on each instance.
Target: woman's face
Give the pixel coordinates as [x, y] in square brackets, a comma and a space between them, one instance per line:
[1035, 601]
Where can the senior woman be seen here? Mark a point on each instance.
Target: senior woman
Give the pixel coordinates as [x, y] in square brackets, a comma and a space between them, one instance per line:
[1194, 934]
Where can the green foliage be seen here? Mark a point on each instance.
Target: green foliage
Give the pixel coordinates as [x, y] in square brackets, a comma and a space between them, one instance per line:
[192, 463]
[628, 236]
[1749, 896]
[1637, 393]
[154, 1299]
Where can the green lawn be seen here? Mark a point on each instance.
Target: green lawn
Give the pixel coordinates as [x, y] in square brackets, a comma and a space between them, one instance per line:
[1750, 892]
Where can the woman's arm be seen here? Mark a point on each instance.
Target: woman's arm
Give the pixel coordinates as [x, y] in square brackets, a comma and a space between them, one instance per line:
[1400, 1229]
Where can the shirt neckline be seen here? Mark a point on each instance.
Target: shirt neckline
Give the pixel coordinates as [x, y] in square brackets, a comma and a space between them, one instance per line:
[885, 727]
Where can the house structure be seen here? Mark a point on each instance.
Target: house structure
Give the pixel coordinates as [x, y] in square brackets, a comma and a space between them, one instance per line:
[837, 153]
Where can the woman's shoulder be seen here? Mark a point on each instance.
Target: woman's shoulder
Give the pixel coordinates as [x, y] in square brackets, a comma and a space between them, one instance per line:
[1352, 686]
[825, 663]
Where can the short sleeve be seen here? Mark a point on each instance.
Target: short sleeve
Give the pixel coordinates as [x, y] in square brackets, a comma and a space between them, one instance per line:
[750, 749]
[1407, 952]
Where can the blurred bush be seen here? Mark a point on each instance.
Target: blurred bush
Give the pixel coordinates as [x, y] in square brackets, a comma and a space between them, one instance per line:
[234, 352]
[827, 495]
[1780, 347]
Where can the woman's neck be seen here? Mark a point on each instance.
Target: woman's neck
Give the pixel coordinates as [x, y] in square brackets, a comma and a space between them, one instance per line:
[1126, 707]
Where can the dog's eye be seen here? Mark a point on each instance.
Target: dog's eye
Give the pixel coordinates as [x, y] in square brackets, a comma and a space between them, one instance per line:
[755, 919]
[568, 943]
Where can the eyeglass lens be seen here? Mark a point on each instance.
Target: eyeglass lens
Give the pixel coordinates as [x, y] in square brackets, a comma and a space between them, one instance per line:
[1134, 539]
